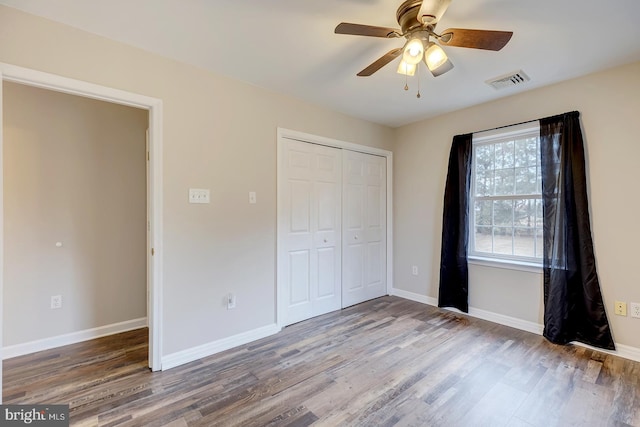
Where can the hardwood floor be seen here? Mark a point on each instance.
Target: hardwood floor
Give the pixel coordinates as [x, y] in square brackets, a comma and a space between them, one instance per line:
[385, 362]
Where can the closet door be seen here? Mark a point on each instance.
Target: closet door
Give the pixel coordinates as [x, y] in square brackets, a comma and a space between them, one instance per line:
[310, 250]
[364, 228]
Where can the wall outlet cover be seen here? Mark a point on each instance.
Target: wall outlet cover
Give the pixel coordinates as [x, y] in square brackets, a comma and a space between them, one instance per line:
[620, 308]
[56, 302]
[634, 307]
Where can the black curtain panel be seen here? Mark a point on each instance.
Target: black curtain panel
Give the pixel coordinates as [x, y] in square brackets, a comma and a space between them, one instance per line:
[454, 273]
[573, 306]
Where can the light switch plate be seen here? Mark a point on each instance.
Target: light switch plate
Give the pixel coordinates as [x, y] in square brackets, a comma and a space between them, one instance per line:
[198, 195]
[252, 197]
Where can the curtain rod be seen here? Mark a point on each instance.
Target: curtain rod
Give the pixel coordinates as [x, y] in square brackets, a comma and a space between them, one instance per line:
[527, 121]
[505, 126]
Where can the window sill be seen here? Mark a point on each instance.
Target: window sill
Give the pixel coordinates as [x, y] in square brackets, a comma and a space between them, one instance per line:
[529, 267]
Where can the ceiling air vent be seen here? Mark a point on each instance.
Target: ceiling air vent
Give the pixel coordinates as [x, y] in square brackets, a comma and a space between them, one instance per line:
[511, 79]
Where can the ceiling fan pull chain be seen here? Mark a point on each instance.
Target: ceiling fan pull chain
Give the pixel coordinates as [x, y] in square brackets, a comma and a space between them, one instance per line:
[406, 79]
[418, 95]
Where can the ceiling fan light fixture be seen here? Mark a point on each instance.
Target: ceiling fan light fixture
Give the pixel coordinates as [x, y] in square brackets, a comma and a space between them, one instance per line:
[413, 51]
[407, 69]
[432, 10]
[437, 60]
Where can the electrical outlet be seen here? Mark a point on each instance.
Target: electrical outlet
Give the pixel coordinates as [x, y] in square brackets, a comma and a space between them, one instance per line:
[635, 309]
[620, 308]
[414, 270]
[231, 301]
[56, 302]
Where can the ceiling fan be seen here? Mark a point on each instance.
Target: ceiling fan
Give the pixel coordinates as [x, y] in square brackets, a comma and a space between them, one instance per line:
[418, 19]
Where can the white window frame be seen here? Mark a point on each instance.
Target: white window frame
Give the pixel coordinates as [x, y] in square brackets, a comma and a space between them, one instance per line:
[517, 262]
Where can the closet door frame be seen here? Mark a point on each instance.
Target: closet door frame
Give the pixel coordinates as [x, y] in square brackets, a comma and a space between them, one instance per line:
[287, 134]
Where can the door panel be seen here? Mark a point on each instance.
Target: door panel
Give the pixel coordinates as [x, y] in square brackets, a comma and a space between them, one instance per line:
[353, 268]
[326, 195]
[364, 237]
[311, 226]
[300, 207]
[299, 266]
[326, 272]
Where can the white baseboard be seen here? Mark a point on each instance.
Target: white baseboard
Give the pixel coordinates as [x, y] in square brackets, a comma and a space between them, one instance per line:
[414, 297]
[72, 338]
[624, 351]
[189, 355]
[628, 352]
[514, 322]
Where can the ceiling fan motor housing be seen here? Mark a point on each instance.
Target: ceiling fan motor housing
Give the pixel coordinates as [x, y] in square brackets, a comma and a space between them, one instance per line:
[407, 15]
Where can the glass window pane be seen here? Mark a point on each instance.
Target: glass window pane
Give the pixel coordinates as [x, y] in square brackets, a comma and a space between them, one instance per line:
[503, 240]
[484, 239]
[504, 155]
[524, 242]
[484, 212]
[524, 212]
[521, 154]
[484, 157]
[503, 212]
[504, 182]
[484, 183]
[526, 180]
[526, 153]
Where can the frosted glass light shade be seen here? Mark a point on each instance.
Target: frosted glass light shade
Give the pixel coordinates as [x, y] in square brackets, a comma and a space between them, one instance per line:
[413, 51]
[437, 60]
[407, 69]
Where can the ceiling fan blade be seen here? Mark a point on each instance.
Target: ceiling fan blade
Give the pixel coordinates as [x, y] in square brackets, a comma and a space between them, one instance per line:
[432, 10]
[366, 30]
[380, 62]
[475, 39]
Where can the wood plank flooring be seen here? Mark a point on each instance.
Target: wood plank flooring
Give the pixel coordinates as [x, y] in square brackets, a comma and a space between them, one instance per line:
[384, 362]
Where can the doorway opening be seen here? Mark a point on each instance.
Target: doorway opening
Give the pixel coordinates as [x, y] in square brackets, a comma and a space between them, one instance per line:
[23, 76]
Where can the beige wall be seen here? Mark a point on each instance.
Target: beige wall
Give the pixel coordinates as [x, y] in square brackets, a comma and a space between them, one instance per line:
[609, 103]
[74, 172]
[218, 134]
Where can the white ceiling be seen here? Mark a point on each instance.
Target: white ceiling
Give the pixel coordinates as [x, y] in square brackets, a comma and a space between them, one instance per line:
[288, 46]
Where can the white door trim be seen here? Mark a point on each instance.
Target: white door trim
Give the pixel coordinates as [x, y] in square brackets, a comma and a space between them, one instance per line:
[314, 139]
[57, 83]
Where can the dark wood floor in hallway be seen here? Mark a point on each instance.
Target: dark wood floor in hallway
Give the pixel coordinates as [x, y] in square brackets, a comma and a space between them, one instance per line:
[384, 362]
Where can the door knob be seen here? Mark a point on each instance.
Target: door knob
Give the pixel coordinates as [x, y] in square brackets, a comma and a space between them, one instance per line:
[355, 237]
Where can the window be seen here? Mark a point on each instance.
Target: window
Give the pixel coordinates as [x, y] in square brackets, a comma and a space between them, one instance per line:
[506, 201]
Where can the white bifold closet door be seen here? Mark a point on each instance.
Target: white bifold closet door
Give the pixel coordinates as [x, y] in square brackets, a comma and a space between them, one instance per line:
[364, 219]
[310, 255]
[331, 229]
